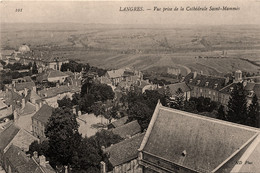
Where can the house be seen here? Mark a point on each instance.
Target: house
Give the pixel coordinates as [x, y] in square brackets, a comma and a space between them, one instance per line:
[40, 120]
[117, 123]
[13, 135]
[123, 155]
[205, 86]
[127, 130]
[116, 76]
[15, 160]
[56, 76]
[173, 90]
[178, 141]
[53, 94]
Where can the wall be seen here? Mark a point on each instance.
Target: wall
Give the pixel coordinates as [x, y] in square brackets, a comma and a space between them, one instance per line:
[129, 167]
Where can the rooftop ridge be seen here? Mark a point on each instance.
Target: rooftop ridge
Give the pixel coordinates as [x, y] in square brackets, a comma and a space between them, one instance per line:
[237, 151]
[247, 154]
[150, 127]
[212, 119]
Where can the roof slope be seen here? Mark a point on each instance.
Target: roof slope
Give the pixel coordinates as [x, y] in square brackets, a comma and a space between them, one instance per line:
[28, 109]
[22, 85]
[128, 129]
[56, 73]
[201, 80]
[120, 121]
[51, 92]
[7, 136]
[208, 142]
[43, 114]
[124, 151]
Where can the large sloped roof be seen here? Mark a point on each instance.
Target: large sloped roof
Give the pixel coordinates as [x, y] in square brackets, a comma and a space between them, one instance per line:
[56, 73]
[21, 86]
[7, 135]
[208, 142]
[128, 129]
[120, 121]
[174, 87]
[124, 151]
[43, 114]
[201, 81]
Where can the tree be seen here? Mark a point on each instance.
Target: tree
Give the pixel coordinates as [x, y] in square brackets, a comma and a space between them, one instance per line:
[34, 68]
[41, 148]
[179, 99]
[237, 105]
[65, 102]
[221, 113]
[253, 113]
[63, 135]
[140, 112]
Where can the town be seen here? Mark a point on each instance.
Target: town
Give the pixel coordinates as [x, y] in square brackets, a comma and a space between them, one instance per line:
[59, 115]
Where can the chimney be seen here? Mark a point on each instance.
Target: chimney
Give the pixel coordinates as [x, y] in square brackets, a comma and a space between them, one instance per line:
[34, 88]
[226, 80]
[42, 160]
[194, 74]
[13, 83]
[68, 84]
[37, 107]
[35, 154]
[25, 91]
[15, 115]
[66, 168]
[79, 113]
[40, 105]
[74, 110]
[23, 103]
[103, 168]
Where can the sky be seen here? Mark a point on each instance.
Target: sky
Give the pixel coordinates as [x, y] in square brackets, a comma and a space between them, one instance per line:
[107, 12]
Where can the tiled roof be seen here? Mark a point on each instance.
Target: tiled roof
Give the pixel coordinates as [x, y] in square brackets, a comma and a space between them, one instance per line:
[23, 139]
[51, 92]
[120, 121]
[28, 109]
[115, 73]
[208, 142]
[124, 151]
[128, 129]
[22, 85]
[43, 114]
[105, 80]
[7, 135]
[56, 73]
[24, 164]
[205, 81]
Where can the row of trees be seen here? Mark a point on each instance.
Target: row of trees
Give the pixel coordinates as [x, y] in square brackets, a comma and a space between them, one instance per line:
[238, 110]
[65, 146]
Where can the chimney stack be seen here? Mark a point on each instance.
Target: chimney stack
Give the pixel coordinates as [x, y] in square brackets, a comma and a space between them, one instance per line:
[25, 91]
[194, 74]
[79, 113]
[15, 115]
[42, 161]
[66, 168]
[35, 154]
[103, 168]
[23, 103]
[34, 88]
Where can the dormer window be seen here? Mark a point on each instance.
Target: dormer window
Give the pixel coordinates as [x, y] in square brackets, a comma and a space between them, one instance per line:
[207, 84]
[190, 80]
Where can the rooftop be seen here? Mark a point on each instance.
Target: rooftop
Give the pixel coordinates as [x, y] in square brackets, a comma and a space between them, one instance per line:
[120, 122]
[56, 73]
[208, 142]
[124, 151]
[22, 85]
[127, 130]
[43, 114]
[201, 80]
[115, 73]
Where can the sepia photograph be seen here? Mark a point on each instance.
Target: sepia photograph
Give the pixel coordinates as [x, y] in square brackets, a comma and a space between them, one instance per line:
[120, 86]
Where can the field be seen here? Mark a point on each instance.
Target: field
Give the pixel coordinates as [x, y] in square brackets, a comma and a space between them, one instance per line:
[213, 50]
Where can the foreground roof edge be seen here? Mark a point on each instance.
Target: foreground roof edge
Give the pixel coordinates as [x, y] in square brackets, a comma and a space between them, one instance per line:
[237, 151]
[150, 127]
